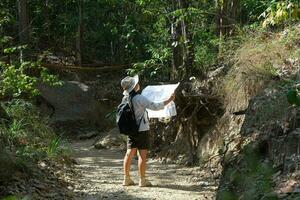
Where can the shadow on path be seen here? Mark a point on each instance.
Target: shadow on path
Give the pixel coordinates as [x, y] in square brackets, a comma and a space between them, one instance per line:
[102, 175]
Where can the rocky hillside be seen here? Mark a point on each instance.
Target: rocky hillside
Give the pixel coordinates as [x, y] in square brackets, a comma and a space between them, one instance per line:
[258, 149]
[239, 123]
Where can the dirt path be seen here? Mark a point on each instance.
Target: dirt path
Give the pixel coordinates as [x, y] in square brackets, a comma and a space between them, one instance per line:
[102, 178]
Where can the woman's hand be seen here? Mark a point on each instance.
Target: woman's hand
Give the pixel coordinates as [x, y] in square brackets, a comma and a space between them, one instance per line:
[172, 98]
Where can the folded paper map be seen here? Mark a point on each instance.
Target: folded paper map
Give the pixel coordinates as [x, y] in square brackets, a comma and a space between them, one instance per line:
[159, 93]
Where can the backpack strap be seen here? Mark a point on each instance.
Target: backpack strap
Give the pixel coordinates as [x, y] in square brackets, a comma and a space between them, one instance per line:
[132, 107]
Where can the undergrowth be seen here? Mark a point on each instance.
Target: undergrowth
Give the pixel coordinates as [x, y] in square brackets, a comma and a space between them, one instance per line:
[27, 138]
[258, 62]
[266, 67]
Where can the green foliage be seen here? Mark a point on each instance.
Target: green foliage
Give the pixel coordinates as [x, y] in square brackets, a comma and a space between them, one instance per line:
[18, 77]
[158, 53]
[252, 9]
[15, 129]
[225, 195]
[29, 135]
[250, 178]
[15, 198]
[57, 147]
[10, 198]
[156, 66]
[25, 136]
[293, 97]
[206, 53]
[16, 81]
[139, 32]
[5, 16]
[279, 12]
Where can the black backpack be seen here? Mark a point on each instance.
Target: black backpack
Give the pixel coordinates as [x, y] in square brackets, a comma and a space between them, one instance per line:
[126, 119]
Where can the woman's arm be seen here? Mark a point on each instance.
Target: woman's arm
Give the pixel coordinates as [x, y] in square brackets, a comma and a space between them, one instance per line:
[172, 98]
[155, 106]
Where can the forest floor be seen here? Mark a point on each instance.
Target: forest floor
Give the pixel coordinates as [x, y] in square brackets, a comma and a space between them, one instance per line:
[101, 177]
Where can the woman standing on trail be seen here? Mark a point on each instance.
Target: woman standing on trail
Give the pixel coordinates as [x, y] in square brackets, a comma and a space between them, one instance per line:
[139, 142]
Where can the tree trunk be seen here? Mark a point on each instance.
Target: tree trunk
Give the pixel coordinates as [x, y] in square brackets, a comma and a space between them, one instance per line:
[23, 26]
[226, 19]
[175, 43]
[222, 21]
[23, 21]
[47, 22]
[79, 34]
[188, 47]
[112, 52]
[233, 14]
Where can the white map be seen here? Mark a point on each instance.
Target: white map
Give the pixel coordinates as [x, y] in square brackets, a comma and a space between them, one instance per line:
[159, 93]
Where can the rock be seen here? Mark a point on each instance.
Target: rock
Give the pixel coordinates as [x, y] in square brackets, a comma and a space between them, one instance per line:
[42, 165]
[88, 135]
[70, 188]
[72, 102]
[113, 139]
[99, 145]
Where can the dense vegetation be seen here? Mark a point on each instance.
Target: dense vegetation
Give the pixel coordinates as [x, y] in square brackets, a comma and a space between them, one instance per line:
[171, 36]
[162, 40]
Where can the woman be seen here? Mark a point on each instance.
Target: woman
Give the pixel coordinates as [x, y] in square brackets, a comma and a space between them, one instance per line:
[140, 142]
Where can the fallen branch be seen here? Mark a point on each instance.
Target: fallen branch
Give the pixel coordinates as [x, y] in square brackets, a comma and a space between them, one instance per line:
[99, 68]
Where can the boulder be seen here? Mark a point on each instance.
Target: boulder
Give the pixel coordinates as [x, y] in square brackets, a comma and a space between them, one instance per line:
[87, 135]
[71, 102]
[112, 140]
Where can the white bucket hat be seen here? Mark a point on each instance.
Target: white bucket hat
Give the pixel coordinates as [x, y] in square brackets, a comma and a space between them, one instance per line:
[128, 83]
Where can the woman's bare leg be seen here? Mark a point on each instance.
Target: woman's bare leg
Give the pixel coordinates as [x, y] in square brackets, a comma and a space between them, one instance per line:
[142, 162]
[127, 160]
[142, 168]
